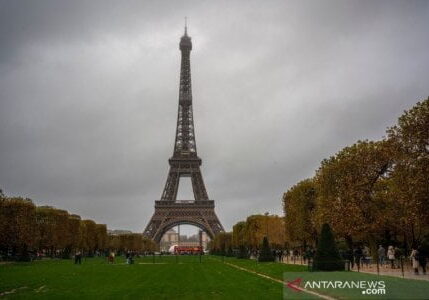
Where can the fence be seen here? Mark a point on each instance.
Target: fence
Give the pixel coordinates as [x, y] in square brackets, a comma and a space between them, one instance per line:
[400, 267]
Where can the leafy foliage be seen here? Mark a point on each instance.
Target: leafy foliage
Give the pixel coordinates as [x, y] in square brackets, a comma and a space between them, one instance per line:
[29, 229]
[299, 204]
[347, 187]
[371, 191]
[409, 183]
[221, 244]
[130, 242]
[247, 236]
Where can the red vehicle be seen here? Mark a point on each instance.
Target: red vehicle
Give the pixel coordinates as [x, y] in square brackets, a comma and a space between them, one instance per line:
[188, 250]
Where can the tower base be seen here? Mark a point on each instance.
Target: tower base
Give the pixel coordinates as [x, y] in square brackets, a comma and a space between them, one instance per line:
[169, 214]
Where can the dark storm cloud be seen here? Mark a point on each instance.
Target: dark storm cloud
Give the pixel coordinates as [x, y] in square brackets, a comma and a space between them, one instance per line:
[88, 96]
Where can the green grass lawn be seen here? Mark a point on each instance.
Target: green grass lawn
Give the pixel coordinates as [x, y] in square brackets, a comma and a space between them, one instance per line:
[273, 269]
[168, 278]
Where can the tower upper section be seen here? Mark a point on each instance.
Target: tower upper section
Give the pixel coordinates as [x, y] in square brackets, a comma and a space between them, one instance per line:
[185, 42]
[185, 145]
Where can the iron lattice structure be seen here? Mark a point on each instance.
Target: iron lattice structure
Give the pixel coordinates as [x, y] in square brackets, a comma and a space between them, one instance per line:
[185, 162]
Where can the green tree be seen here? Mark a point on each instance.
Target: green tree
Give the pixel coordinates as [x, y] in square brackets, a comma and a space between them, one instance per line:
[62, 236]
[327, 257]
[347, 185]
[74, 234]
[299, 204]
[239, 234]
[239, 239]
[101, 233]
[52, 229]
[409, 182]
[45, 228]
[148, 245]
[89, 236]
[259, 226]
[18, 220]
[221, 243]
[265, 254]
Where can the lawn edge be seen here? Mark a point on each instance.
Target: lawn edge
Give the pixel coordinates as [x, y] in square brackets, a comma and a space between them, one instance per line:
[279, 281]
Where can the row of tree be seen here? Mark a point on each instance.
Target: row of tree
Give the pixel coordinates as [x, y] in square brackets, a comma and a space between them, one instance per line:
[370, 192]
[247, 236]
[373, 192]
[27, 229]
[134, 242]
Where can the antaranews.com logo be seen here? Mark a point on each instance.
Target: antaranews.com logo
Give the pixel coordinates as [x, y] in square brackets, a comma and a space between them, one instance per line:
[367, 287]
[345, 285]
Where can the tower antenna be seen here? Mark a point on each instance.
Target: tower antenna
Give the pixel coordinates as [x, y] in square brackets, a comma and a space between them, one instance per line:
[186, 25]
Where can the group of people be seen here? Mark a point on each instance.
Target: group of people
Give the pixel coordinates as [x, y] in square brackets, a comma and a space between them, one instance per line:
[110, 257]
[418, 257]
[361, 255]
[390, 256]
[293, 254]
[357, 256]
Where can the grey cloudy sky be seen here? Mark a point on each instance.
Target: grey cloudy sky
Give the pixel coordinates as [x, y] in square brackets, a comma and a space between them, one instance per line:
[89, 94]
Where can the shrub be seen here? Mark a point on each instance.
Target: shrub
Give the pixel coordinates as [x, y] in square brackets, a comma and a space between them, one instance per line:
[327, 257]
[266, 254]
[243, 252]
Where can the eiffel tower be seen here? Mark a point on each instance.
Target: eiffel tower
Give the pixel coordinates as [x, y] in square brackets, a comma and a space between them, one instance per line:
[185, 162]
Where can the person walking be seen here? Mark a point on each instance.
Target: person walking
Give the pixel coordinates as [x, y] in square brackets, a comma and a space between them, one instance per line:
[391, 256]
[295, 255]
[78, 258]
[350, 258]
[129, 257]
[422, 258]
[366, 255]
[415, 260]
[112, 257]
[358, 256]
[280, 255]
[381, 254]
